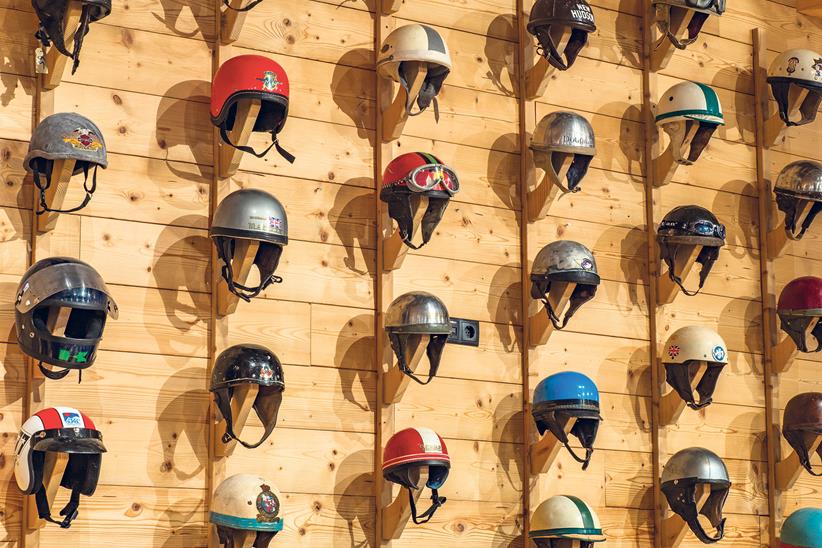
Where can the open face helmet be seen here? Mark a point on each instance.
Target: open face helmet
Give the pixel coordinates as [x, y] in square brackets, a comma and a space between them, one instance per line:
[250, 214]
[800, 303]
[561, 133]
[248, 77]
[408, 178]
[564, 517]
[562, 396]
[405, 454]
[685, 226]
[798, 183]
[802, 529]
[683, 472]
[564, 261]
[52, 15]
[59, 430]
[670, 10]
[402, 49]
[248, 364]
[65, 136]
[246, 502]
[548, 21]
[408, 320]
[802, 68]
[801, 424]
[685, 348]
[60, 313]
[680, 107]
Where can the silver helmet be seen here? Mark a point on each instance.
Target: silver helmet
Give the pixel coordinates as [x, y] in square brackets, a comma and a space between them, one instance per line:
[568, 133]
[411, 317]
[250, 214]
[666, 10]
[564, 261]
[683, 472]
[799, 182]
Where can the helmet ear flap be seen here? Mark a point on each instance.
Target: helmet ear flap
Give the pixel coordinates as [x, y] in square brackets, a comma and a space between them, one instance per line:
[37, 461]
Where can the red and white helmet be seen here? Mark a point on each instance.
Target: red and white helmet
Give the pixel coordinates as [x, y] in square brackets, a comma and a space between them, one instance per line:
[59, 430]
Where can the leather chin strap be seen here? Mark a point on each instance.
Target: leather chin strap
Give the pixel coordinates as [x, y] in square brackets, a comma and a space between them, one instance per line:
[807, 109]
[795, 328]
[433, 351]
[578, 169]
[399, 209]
[425, 517]
[52, 31]
[678, 377]
[244, 292]
[788, 205]
[69, 511]
[43, 206]
[706, 258]
[694, 28]
[224, 404]
[581, 295]
[246, 8]
[550, 420]
[797, 442]
[549, 50]
[245, 148]
[428, 93]
[58, 374]
[681, 501]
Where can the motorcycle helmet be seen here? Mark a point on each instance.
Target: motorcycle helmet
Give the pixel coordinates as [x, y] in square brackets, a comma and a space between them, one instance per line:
[690, 225]
[246, 502]
[801, 424]
[668, 10]
[802, 529]
[685, 348]
[798, 183]
[799, 67]
[52, 15]
[563, 517]
[561, 133]
[548, 20]
[800, 303]
[684, 104]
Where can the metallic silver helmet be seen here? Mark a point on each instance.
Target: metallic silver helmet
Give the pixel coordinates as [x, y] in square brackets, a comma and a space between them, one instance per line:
[797, 183]
[570, 133]
[250, 214]
[411, 317]
[564, 261]
[683, 472]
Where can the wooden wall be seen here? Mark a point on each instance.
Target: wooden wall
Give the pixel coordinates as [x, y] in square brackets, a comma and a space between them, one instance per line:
[145, 80]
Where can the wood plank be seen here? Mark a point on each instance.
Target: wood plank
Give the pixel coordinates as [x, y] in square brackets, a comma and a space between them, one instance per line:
[323, 520]
[18, 101]
[15, 231]
[17, 42]
[723, 165]
[740, 531]
[627, 528]
[496, 359]
[730, 431]
[720, 62]
[626, 423]
[734, 274]
[15, 189]
[488, 472]
[189, 19]
[492, 18]
[342, 337]
[284, 327]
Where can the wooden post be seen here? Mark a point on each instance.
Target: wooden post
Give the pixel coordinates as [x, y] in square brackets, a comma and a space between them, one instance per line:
[391, 6]
[540, 324]
[774, 125]
[396, 381]
[556, 169]
[674, 527]
[789, 468]
[544, 452]
[685, 259]
[395, 116]
[537, 77]
[247, 110]
[671, 405]
[232, 21]
[663, 49]
[61, 172]
[241, 404]
[56, 62]
[53, 469]
[664, 165]
[396, 515]
[778, 236]
[245, 251]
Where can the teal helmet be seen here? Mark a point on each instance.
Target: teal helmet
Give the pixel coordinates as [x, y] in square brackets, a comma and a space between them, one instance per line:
[802, 529]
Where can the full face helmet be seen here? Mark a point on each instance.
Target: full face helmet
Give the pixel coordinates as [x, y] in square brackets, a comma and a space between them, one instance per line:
[671, 10]
[59, 430]
[561, 133]
[548, 21]
[800, 303]
[406, 180]
[564, 261]
[405, 454]
[685, 226]
[802, 529]
[248, 77]
[246, 502]
[685, 348]
[562, 396]
[248, 364]
[801, 424]
[798, 183]
[411, 317]
[402, 49]
[250, 214]
[65, 136]
[801, 68]
[52, 15]
[683, 472]
[60, 313]
[563, 517]
[683, 105]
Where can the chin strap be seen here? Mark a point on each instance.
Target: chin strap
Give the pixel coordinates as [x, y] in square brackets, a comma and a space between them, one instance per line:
[425, 517]
[43, 206]
[59, 374]
[588, 452]
[244, 292]
[245, 148]
[246, 8]
[69, 511]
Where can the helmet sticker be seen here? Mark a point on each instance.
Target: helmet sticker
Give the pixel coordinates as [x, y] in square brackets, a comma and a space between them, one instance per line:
[719, 353]
[275, 222]
[67, 355]
[582, 12]
[817, 66]
[266, 373]
[792, 62]
[268, 505]
[84, 139]
[673, 351]
[70, 418]
[270, 81]
[587, 264]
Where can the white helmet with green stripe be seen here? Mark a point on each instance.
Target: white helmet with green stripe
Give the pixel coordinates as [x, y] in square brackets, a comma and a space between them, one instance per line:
[680, 107]
[565, 517]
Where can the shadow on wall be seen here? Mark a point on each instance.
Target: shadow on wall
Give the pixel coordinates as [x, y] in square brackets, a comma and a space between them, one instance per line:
[14, 377]
[346, 87]
[629, 34]
[630, 139]
[503, 170]
[353, 220]
[501, 25]
[508, 426]
[174, 16]
[632, 252]
[360, 352]
[182, 123]
[748, 209]
[504, 302]
[181, 524]
[13, 82]
[351, 487]
[747, 316]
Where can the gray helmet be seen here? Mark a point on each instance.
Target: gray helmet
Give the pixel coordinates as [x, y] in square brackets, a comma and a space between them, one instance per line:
[564, 261]
[65, 136]
[250, 214]
[682, 473]
[52, 14]
[570, 133]
[798, 182]
[690, 225]
[702, 8]
[412, 316]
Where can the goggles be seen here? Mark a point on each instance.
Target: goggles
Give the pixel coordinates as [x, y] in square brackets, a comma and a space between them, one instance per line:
[699, 228]
[432, 177]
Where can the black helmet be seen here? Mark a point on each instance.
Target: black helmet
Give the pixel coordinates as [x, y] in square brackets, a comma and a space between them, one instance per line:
[52, 15]
[48, 288]
[248, 364]
[690, 225]
[548, 15]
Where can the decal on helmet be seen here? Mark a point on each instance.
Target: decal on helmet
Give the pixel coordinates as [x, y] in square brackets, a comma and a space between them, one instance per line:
[582, 12]
[68, 355]
[268, 505]
[270, 81]
[673, 351]
[587, 264]
[719, 353]
[817, 66]
[792, 62]
[84, 139]
[70, 418]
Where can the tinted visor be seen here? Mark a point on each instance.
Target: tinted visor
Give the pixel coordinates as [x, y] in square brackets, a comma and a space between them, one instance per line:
[69, 440]
[433, 177]
[58, 278]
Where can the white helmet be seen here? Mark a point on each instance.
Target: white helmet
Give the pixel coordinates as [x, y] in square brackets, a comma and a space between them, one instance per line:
[566, 517]
[247, 502]
[802, 67]
[690, 344]
[684, 103]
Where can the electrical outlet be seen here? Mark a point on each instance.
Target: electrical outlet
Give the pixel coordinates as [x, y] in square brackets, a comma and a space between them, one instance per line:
[465, 332]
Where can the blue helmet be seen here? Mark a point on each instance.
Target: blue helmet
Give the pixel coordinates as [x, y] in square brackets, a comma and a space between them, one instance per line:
[802, 529]
[561, 396]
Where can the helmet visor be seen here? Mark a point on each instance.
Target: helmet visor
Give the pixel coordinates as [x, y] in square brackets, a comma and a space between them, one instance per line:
[69, 440]
[61, 277]
[433, 177]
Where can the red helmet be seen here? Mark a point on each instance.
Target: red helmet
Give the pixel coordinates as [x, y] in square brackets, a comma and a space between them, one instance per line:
[251, 77]
[405, 179]
[800, 303]
[409, 450]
